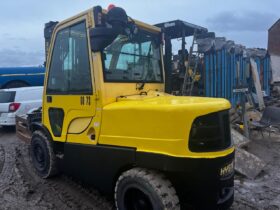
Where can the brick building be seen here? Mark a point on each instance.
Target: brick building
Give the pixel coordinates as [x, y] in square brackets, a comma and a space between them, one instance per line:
[274, 38]
[274, 50]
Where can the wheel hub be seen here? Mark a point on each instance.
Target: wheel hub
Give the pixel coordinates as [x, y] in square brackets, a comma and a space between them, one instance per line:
[40, 158]
[135, 199]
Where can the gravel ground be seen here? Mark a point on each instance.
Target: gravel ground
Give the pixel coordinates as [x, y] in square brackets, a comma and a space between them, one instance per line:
[264, 191]
[21, 188]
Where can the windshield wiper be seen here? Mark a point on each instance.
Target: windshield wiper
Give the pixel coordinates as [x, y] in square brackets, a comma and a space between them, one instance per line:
[141, 93]
[144, 81]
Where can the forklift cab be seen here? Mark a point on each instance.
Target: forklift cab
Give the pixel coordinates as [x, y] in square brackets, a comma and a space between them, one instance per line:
[177, 29]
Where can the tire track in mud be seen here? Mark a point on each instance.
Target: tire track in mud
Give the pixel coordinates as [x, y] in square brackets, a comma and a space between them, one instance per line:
[2, 153]
[62, 192]
[2, 157]
[8, 192]
[21, 188]
[7, 168]
[33, 189]
[76, 196]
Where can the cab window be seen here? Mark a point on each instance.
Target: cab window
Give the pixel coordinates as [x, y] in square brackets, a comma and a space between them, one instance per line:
[70, 69]
[136, 59]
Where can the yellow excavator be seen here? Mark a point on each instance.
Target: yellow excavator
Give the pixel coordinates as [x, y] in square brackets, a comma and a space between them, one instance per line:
[107, 120]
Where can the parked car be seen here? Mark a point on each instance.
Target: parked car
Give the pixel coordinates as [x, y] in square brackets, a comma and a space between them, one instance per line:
[18, 101]
[21, 77]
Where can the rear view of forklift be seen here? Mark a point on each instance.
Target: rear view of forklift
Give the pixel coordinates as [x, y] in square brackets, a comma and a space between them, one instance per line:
[107, 120]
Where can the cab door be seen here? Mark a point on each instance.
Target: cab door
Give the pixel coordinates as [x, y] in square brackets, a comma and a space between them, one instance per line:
[69, 101]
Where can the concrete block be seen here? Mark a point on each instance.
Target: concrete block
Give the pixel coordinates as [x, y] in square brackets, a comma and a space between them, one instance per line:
[248, 164]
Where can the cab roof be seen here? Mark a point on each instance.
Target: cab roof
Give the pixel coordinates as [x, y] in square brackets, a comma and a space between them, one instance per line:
[175, 28]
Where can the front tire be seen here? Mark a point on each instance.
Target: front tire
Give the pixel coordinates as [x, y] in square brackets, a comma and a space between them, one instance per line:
[42, 155]
[140, 188]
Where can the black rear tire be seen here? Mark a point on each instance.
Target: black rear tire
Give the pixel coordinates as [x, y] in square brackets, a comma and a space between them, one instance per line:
[42, 155]
[139, 188]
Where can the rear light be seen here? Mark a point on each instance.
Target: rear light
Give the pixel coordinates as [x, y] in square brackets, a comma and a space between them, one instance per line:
[14, 107]
[111, 6]
[210, 133]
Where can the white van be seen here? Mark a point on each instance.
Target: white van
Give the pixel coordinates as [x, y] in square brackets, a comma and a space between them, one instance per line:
[18, 101]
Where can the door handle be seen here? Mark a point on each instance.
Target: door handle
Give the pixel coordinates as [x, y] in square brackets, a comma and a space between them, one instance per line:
[49, 99]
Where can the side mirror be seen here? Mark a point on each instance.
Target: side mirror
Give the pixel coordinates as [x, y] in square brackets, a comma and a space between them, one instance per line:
[101, 37]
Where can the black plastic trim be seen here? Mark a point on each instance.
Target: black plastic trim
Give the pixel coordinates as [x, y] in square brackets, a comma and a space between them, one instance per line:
[97, 165]
[54, 122]
[223, 135]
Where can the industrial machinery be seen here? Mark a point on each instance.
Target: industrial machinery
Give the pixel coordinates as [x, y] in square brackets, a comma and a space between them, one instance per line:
[107, 120]
[181, 70]
[213, 66]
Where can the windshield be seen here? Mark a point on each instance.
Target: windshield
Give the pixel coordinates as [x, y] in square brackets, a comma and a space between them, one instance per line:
[133, 60]
[7, 96]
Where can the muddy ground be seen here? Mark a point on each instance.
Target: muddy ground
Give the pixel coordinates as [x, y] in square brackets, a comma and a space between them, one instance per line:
[20, 188]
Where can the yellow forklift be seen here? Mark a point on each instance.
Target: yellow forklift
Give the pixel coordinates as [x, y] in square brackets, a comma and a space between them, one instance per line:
[107, 120]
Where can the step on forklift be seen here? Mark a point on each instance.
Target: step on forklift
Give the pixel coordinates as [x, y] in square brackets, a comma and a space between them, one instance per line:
[107, 120]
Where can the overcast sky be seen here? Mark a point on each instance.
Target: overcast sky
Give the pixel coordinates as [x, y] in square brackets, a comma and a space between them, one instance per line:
[22, 21]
